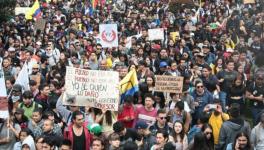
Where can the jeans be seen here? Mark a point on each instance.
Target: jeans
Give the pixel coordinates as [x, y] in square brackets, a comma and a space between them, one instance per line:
[222, 97]
[255, 114]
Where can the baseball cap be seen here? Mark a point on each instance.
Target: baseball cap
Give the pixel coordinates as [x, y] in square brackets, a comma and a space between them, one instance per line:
[19, 111]
[11, 49]
[95, 128]
[141, 125]
[163, 64]
[17, 88]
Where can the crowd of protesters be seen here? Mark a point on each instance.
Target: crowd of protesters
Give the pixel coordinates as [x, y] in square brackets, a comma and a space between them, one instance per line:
[218, 48]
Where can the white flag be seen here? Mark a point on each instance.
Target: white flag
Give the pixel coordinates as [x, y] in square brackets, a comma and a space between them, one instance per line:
[23, 78]
[108, 35]
[3, 92]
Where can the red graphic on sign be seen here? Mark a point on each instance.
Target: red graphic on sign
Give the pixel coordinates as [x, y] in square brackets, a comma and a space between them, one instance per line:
[108, 36]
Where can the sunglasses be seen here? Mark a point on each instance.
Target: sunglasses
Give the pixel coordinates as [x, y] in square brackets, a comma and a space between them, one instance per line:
[200, 86]
[163, 118]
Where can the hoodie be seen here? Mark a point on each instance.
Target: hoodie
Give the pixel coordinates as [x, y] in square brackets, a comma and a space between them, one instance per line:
[230, 129]
[30, 142]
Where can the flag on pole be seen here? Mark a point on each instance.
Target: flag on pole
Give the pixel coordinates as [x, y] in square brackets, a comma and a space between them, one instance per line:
[23, 78]
[129, 84]
[34, 11]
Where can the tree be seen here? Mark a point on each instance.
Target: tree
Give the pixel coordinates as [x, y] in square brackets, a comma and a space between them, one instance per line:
[7, 9]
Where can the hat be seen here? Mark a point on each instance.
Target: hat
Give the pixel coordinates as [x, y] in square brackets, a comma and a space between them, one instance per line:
[17, 88]
[35, 66]
[19, 111]
[141, 125]
[11, 49]
[95, 128]
[163, 64]
[30, 48]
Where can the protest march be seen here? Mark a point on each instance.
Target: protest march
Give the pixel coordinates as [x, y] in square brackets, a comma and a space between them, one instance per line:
[132, 75]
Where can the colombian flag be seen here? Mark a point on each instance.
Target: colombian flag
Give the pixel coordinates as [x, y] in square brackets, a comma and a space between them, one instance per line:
[129, 84]
[94, 4]
[34, 11]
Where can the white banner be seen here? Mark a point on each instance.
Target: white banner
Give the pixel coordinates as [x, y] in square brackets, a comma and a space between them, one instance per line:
[21, 10]
[3, 92]
[156, 34]
[91, 88]
[108, 35]
[128, 40]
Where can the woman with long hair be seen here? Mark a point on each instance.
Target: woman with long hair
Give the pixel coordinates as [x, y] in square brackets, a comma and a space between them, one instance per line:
[178, 136]
[106, 119]
[241, 142]
[199, 142]
[218, 66]
[208, 132]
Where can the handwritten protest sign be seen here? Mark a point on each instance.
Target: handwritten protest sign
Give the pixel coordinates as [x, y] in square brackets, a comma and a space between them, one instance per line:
[21, 10]
[168, 84]
[108, 35]
[156, 34]
[40, 24]
[91, 88]
[249, 1]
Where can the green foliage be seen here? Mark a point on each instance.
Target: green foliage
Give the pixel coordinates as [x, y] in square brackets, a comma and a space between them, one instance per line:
[7, 9]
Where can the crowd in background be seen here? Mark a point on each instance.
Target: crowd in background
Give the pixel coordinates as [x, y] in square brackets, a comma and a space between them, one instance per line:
[217, 47]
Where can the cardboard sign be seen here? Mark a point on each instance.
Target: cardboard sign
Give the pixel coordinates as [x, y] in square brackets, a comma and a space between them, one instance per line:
[91, 88]
[40, 24]
[108, 35]
[156, 34]
[21, 10]
[168, 84]
[249, 1]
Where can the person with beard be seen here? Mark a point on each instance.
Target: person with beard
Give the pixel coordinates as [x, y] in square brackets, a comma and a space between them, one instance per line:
[232, 127]
[216, 118]
[257, 136]
[163, 57]
[241, 142]
[77, 132]
[36, 75]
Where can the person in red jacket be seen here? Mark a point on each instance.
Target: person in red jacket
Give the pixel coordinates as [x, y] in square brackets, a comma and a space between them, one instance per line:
[127, 112]
[77, 132]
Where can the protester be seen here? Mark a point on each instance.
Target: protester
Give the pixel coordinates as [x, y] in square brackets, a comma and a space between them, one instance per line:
[241, 141]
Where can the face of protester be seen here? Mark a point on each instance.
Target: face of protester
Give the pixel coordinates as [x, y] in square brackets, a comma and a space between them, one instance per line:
[47, 126]
[149, 81]
[97, 145]
[149, 102]
[46, 146]
[28, 56]
[22, 136]
[6, 63]
[79, 120]
[36, 117]
[115, 143]
[162, 118]
[178, 127]
[160, 138]
[238, 82]
[18, 116]
[206, 72]
[39, 144]
[242, 141]
[230, 66]
[65, 147]
[123, 72]
[46, 91]
[208, 133]
[200, 88]
[27, 101]
[163, 53]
